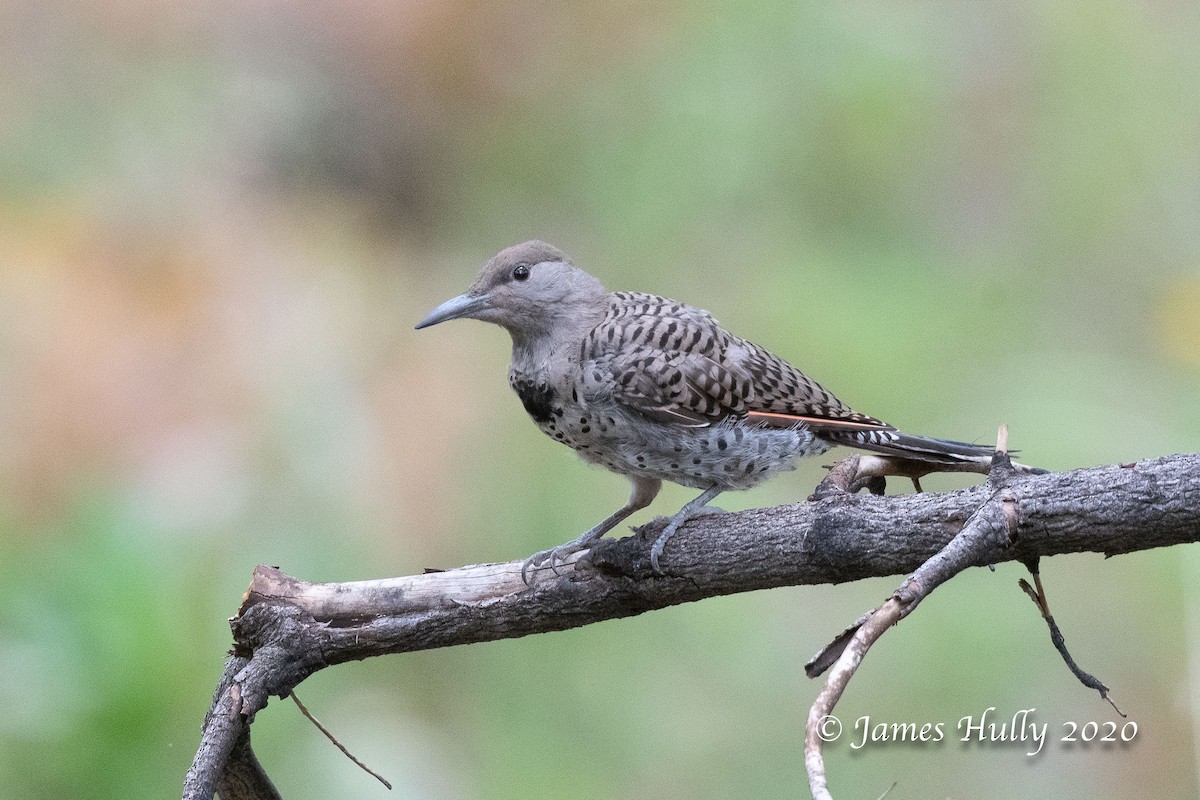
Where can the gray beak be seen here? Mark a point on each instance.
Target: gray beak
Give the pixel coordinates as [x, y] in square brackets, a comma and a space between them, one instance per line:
[465, 305]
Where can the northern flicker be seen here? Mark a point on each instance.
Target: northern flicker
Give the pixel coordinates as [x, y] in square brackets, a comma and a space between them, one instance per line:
[657, 390]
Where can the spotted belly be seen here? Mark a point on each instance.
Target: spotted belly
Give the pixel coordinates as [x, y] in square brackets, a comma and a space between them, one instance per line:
[732, 455]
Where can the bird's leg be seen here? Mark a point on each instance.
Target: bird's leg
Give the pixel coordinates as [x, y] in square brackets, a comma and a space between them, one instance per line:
[642, 494]
[691, 509]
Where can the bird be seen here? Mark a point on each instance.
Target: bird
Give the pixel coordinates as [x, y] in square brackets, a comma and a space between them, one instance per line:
[657, 390]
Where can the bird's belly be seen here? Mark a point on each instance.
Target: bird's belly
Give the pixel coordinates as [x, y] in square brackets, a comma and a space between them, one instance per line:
[730, 455]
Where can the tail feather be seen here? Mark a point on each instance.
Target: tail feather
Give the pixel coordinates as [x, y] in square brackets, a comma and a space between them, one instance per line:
[867, 433]
[906, 445]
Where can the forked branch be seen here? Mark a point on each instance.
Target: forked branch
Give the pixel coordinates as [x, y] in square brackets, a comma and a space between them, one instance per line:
[994, 526]
[287, 629]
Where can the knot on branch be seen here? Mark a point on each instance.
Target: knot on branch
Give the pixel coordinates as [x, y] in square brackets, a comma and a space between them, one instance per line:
[282, 646]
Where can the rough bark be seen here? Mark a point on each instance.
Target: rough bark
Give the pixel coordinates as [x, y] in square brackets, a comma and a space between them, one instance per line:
[286, 628]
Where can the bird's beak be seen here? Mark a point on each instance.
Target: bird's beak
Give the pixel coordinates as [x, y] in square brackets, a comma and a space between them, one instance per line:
[465, 305]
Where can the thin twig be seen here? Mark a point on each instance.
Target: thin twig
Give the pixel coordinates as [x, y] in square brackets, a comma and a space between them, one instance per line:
[888, 791]
[1038, 596]
[830, 653]
[336, 743]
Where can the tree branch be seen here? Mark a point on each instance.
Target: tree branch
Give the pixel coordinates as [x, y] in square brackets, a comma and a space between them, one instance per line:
[286, 628]
[994, 524]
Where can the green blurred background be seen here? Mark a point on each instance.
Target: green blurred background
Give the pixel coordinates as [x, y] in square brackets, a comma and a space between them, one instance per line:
[219, 223]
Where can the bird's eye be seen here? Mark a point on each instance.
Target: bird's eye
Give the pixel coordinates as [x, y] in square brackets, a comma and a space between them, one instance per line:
[520, 272]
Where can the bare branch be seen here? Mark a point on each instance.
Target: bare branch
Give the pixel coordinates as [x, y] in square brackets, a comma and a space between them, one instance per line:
[847, 663]
[287, 628]
[223, 727]
[994, 524]
[244, 778]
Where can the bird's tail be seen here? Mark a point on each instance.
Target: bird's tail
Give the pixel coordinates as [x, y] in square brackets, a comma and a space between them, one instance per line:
[919, 448]
[867, 433]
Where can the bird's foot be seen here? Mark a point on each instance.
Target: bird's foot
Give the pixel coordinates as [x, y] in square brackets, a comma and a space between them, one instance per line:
[656, 550]
[553, 558]
[695, 508]
[707, 511]
[703, 511]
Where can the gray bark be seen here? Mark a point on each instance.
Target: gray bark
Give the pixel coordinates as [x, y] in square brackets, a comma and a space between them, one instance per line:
[287, 628]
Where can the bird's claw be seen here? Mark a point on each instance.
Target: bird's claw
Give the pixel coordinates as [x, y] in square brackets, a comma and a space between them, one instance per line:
[660, 544]
[656, 551]
[554, 558]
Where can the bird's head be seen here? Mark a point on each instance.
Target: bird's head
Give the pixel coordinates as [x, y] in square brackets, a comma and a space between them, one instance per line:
[530, 289]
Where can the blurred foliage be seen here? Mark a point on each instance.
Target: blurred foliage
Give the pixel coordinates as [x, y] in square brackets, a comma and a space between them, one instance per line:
[219, 223]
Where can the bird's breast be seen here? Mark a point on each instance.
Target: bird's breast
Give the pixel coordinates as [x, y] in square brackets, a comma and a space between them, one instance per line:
[538, 397]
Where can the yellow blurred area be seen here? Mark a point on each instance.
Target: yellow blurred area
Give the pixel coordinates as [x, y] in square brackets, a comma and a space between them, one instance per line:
[1179, 320]
[220, 222]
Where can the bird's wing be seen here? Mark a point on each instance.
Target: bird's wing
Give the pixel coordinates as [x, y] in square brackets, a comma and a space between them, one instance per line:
[670, 387]
[675, 364]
